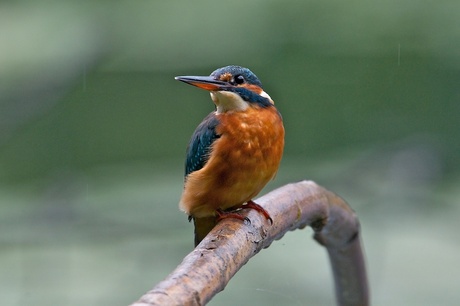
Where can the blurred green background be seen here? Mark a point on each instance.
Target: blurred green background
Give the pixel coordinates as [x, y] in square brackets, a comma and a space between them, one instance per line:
[93, 130]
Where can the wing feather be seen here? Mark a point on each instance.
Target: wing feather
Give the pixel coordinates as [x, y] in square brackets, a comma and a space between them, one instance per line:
[199, 147]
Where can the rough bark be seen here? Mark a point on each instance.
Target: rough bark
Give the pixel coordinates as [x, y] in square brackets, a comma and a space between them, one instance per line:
[210, 266]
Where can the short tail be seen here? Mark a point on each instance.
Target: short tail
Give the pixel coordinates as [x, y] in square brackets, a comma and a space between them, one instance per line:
[202, 227]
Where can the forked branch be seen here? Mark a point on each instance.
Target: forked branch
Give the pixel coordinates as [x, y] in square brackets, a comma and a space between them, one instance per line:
[210, 266]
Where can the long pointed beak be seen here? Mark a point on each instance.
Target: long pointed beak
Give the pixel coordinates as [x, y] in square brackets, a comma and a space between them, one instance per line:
[203, 82]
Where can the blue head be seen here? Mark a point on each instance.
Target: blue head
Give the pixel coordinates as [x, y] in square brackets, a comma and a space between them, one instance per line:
[232, 88]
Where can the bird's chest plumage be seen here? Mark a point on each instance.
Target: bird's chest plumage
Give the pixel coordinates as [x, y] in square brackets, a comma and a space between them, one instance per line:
[241, 162]
[250, 142]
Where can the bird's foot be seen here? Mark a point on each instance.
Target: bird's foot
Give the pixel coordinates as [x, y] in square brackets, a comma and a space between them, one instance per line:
[252, 205]
[233, 213]
[221, 214]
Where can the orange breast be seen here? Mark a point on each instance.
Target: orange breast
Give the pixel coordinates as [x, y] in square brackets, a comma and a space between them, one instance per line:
[242, 161]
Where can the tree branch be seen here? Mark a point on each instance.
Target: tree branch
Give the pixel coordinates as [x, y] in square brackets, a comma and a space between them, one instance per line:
[210, 266]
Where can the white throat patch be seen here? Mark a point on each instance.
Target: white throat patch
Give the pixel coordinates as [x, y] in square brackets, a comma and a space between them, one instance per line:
[227, 101]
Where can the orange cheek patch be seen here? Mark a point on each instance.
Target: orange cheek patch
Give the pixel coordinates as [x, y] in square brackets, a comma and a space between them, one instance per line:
[253, 88]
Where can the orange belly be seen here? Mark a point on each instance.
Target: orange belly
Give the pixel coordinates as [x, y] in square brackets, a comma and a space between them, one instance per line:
[241, 163]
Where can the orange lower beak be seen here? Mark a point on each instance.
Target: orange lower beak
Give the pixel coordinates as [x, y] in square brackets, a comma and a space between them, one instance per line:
[206, 83]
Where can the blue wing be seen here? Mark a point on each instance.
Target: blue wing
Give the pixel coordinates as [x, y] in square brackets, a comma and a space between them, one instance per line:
[199, 147]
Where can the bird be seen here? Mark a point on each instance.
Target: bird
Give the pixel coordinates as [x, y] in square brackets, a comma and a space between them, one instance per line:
[234, 152]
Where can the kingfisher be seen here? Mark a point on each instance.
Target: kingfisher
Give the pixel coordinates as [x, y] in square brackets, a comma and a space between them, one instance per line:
[234, 152]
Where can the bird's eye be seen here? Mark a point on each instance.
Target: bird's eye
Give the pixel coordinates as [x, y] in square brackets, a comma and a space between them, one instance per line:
[238, 79]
